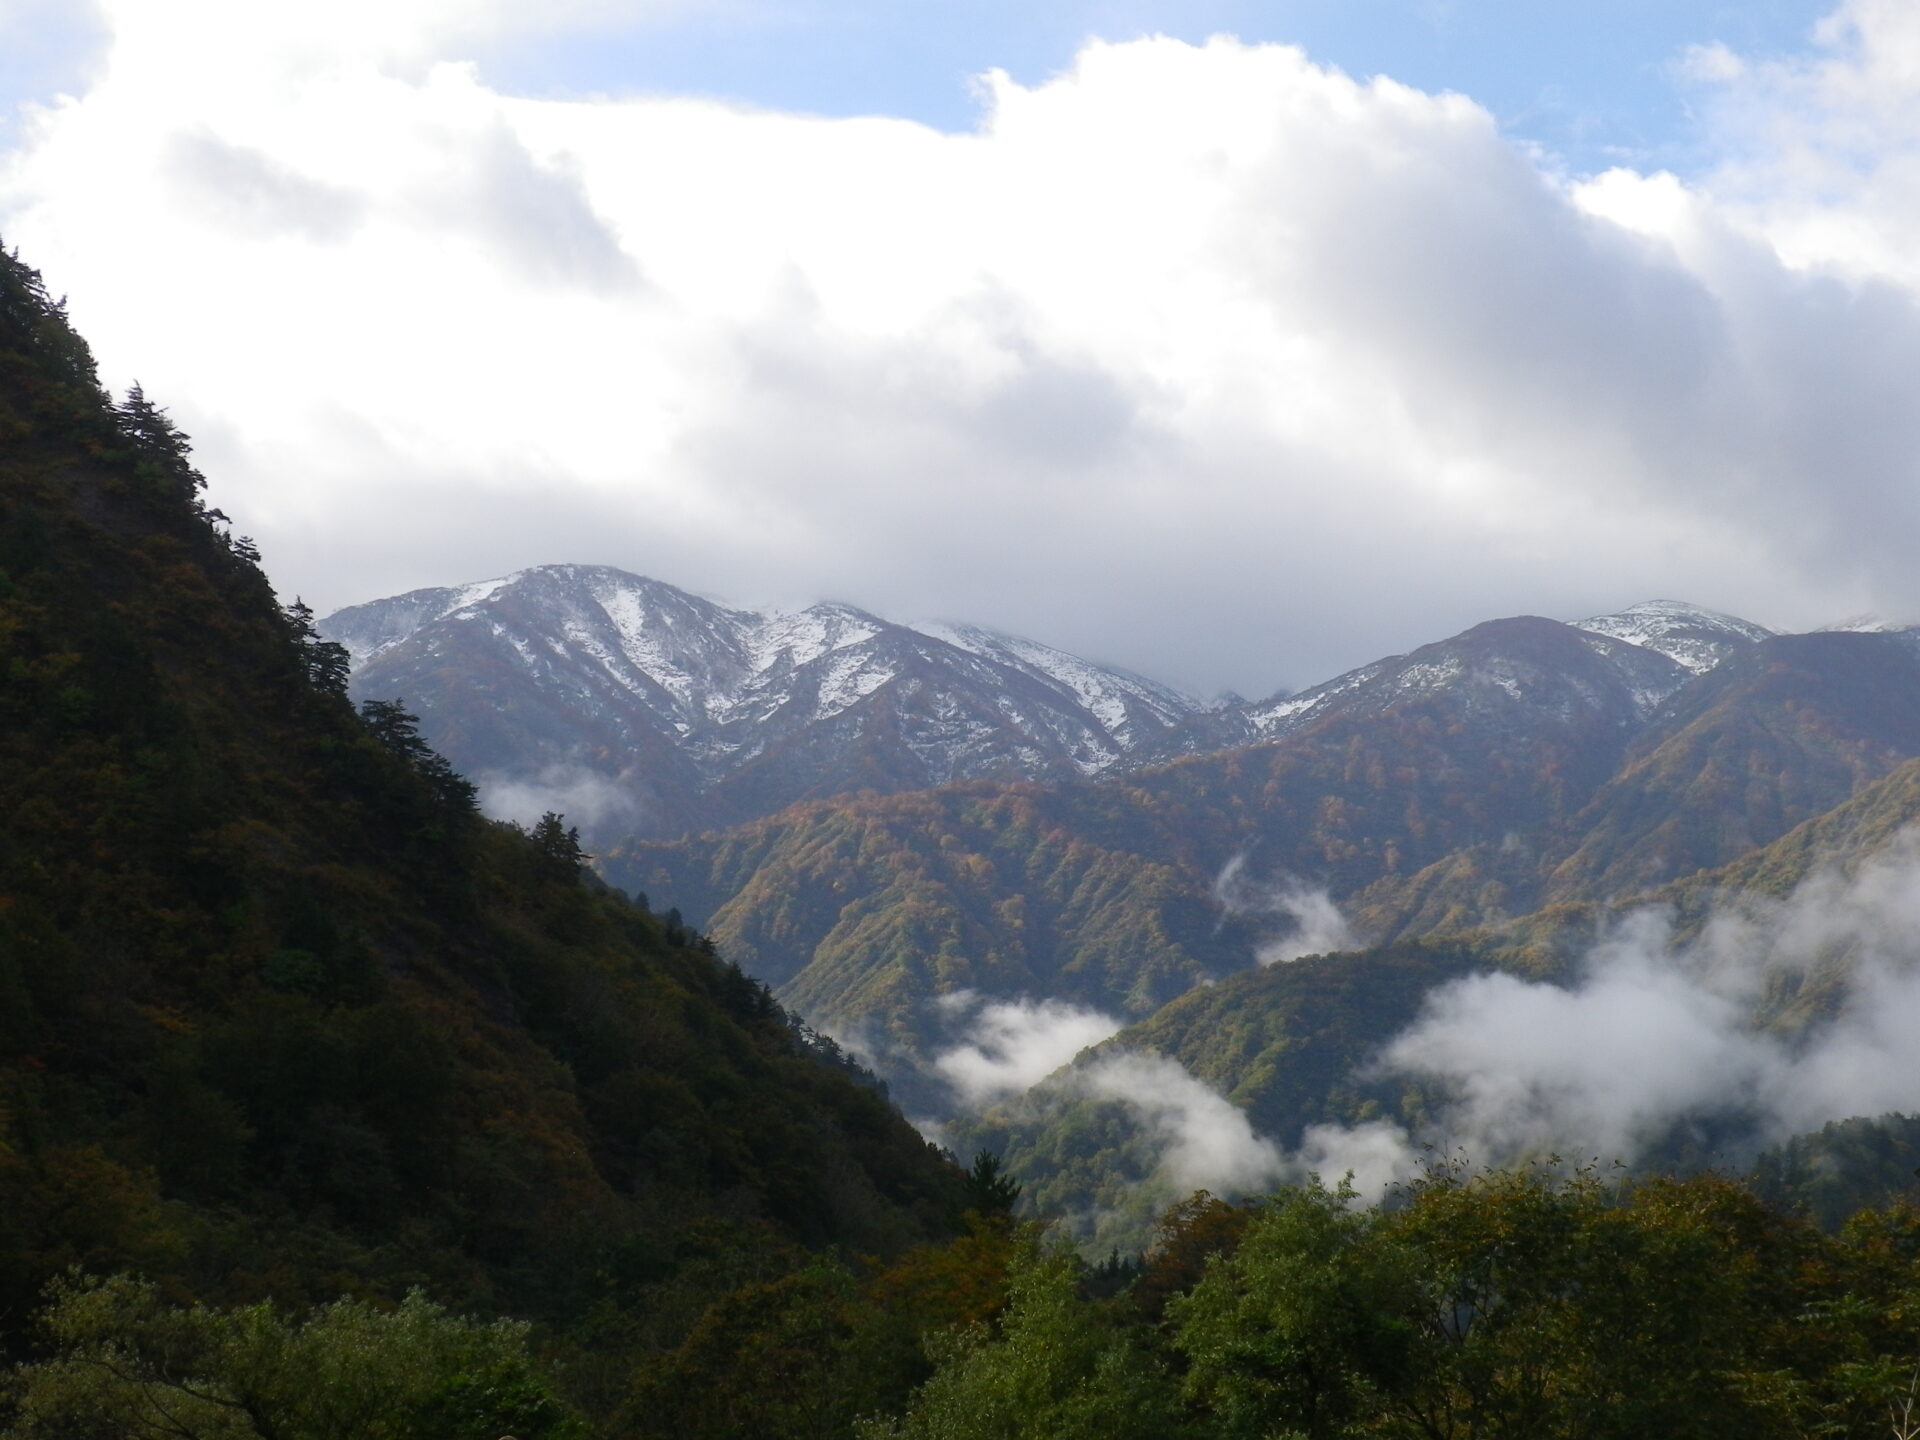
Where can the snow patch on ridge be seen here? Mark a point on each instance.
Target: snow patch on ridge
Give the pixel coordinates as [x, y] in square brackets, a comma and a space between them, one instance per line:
[1689, 635]
[1282, 715]
[1865, 625]
[1116, 700]
[713, 675]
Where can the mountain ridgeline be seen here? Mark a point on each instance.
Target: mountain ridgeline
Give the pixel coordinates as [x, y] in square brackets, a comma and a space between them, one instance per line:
[1521, 765]
[657, 712]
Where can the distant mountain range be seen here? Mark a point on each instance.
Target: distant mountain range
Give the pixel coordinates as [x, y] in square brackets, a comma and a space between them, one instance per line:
[664, 712]
[651, 711]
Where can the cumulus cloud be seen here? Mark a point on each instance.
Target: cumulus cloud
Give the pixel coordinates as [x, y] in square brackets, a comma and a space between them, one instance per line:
[1820, 151]
[252, 191]
[1009, 1046]
[1202, 359]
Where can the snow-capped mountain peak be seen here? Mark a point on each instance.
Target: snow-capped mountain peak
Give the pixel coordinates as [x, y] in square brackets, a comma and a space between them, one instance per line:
[1866, 625]
[1689, 635]
[579, 665]
[1118, 699]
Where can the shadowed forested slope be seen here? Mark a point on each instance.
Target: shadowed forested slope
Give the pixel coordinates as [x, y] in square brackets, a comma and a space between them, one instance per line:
[280, 1014]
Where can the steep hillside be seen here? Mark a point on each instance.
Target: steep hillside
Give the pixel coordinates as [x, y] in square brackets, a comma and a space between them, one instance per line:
[1781, 935]
[1876, 829]
[864, 914]
[280, 1014]
[1780, 733]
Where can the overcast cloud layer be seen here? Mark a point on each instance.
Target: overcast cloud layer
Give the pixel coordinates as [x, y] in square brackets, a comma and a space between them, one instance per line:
[1203, 360]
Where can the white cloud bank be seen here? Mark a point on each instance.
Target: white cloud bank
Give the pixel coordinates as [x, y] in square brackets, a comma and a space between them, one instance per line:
[1203, 1141]
[1203, 359]
[1656, 1034]
[582, 795]
[1198, 1138]
[1009, 1046]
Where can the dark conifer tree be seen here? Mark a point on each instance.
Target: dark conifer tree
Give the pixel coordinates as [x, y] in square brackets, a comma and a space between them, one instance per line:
[328, 664]
[559, 845]
[990, 1190]
[398, 728]
[162, 445]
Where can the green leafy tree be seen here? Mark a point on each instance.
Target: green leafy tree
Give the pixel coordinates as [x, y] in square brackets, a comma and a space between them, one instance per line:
[1299, 1329]
[1059, 1367]
[1566, 1307]
[1190, 1234]
[126, 1364]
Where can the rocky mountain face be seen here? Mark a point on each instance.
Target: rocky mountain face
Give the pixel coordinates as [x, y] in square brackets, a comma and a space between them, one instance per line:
[641, 709]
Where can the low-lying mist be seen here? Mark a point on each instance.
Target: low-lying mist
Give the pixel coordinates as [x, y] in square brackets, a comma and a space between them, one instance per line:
[597, 803]
[1766, 1019]
[1313, 924]
[1009, 1046]
[1771, 1018]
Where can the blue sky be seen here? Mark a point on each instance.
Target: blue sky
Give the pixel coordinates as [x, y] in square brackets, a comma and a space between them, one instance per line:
[1592, 84]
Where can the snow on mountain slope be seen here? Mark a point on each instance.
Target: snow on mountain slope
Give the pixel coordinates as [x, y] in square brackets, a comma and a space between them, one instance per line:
[564, 666]
[1522, 665]
[1289, 712]
[1690, 635]
[367, 630]
[1118, 699]
[1649, 652]
[718, 713]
